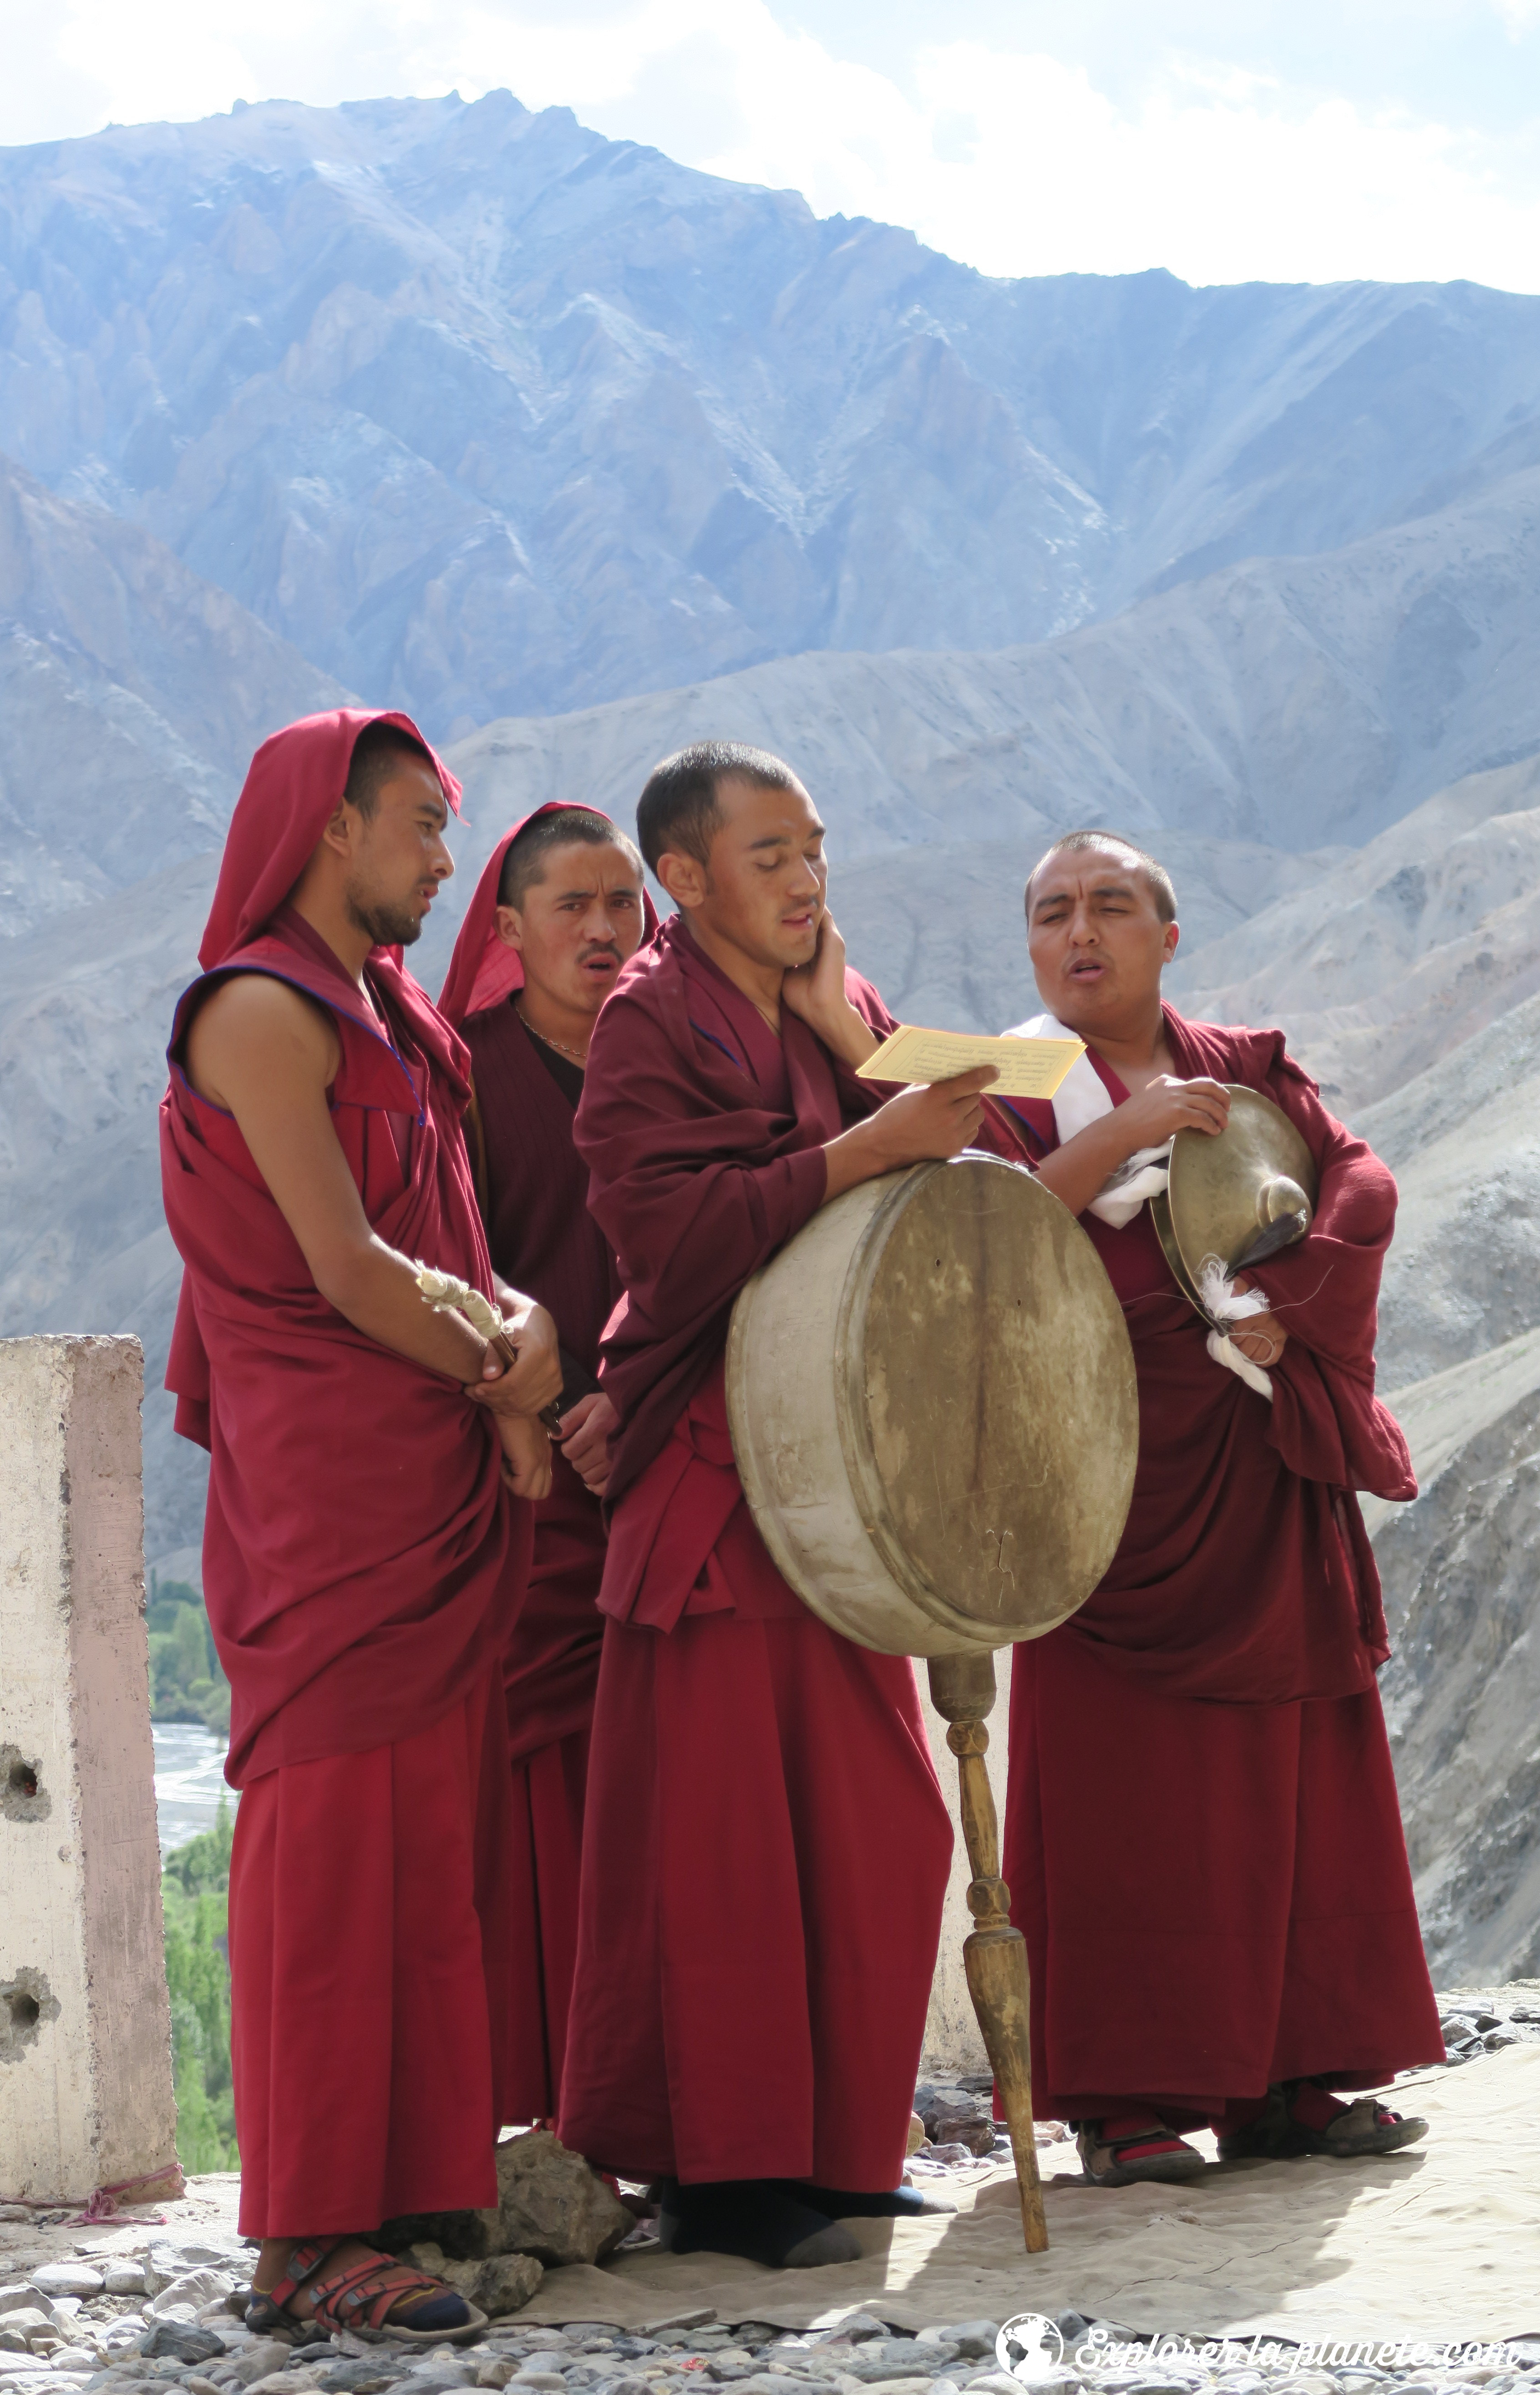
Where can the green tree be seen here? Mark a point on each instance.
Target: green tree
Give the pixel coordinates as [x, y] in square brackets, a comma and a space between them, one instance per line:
[194, 1886]
[186, 1683]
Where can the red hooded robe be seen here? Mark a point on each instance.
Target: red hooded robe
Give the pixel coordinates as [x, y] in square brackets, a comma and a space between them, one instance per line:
[1202, 1840]
[356, 1566]
[765, 1850]
[543, 1240]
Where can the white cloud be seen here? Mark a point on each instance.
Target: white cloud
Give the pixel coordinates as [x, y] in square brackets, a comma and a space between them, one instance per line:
[1017, 164]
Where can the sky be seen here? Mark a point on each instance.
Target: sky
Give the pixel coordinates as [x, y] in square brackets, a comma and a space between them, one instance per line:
[1228, 140]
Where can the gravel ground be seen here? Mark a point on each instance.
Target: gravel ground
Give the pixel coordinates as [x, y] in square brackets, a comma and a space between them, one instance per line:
[137, 2304]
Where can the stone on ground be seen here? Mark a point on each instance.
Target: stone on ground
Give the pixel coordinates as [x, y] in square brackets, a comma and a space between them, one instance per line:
[551, 2203]
[497, 2284]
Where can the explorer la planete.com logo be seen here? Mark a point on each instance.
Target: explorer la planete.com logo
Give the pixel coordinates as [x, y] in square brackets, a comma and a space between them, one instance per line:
[1029, 2347]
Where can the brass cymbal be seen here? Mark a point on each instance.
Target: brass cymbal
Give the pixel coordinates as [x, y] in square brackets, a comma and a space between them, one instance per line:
[1240, 1197]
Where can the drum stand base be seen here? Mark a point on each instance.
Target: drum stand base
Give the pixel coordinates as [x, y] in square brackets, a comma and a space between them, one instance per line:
[994, 1955]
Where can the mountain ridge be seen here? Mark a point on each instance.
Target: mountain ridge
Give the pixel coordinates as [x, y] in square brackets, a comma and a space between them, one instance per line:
[486, 414]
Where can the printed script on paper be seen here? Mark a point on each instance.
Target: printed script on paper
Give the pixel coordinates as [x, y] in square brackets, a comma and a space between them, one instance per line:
[1026, 1068]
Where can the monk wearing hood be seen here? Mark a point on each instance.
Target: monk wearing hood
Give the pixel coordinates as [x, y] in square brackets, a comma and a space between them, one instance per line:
[1202, 1839]
[557, 912]
[765, 1847]
[371, 1463]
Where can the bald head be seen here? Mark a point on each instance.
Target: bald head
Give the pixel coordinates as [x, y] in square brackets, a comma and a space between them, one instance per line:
[1079, 843]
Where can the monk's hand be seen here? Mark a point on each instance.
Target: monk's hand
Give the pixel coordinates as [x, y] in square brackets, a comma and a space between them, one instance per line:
[1167, 1106]
[937, 1121]
[584, 1432]
[817, 992]
[528, 1385]
[526, 1456]
[1260, 1337]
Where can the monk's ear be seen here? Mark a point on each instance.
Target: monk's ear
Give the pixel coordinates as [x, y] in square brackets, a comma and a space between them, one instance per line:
[1168, 949]
[684, 877]
[511, 929]
[343, 828]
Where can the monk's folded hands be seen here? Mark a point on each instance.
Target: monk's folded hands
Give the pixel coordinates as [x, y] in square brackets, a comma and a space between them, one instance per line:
[528, 1384]
[525, 1445]
[584, 1432]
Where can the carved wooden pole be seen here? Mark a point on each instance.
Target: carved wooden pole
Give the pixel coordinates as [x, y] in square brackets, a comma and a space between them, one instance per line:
[962, 1690]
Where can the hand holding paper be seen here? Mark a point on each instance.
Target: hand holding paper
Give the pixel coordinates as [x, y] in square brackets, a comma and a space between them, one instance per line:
[1024, 1069]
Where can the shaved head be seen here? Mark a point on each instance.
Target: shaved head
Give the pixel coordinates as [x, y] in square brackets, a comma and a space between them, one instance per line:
[1152, 872]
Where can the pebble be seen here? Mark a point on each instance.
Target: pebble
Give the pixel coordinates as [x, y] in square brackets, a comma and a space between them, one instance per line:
[98, 2342]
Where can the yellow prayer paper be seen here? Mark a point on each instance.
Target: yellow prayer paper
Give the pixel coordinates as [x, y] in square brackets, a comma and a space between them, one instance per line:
[1026, 1068]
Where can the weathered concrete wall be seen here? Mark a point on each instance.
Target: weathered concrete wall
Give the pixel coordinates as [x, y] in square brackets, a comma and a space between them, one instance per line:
[953, 2042]
[85, 2027]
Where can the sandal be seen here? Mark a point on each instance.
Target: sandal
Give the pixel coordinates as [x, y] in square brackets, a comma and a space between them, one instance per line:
[1148, 2153]
[264, 2314]
[1279, 2135]
[362, 2298]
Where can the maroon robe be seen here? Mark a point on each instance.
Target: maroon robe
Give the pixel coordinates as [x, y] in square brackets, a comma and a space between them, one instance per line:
[357, 1557]
[544, 1241]
[1202, 1839]
[765, 1851]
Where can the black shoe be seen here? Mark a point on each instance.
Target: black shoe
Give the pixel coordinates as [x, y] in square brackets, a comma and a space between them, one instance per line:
[860, 2204]
[756, 2219]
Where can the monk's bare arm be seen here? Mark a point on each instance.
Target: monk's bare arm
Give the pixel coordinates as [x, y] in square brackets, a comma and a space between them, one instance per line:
[915, 1126]
[267, 1055]
[1076, 1171]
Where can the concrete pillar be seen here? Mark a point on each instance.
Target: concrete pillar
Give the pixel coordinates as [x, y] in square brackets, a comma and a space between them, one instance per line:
[86, 2097]
[953, 2042]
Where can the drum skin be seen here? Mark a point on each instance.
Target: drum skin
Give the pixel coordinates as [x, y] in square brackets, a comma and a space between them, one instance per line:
[932, 1400]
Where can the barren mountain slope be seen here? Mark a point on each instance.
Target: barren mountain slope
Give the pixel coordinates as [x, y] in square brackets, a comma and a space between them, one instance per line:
[1463, 1142]
[86, 1004]
[1418, 941]
[1267, 704]
[1462, 1692]
[486, 414]
[131, 696]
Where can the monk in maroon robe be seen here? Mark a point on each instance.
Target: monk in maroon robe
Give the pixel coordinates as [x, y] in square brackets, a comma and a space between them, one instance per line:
[1202, 1838]
[765, 1848]
[558, 911]
[359, 1534]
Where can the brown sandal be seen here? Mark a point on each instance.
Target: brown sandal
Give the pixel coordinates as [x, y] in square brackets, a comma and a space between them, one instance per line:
[1145, 2156]
[362, 2297]
[1366, 2126]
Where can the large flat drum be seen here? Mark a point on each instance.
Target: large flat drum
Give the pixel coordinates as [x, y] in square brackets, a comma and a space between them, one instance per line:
[932, 1400]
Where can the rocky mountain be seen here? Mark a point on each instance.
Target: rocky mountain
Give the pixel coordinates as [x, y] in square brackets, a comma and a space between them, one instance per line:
[131, 695]
[86, 1005]
[1462, 1691]
[486, 415]
[1427, 936]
